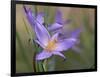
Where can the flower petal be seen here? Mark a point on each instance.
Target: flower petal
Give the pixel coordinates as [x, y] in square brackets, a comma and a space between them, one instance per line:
[58, 17]
[40, 43]
[54, 27]
[75, 33]
[43, 55]
[30, 16]
[42, 34]
[40, 18]
[62, 36]
[59, 53]
[55, 36]
[65, 44]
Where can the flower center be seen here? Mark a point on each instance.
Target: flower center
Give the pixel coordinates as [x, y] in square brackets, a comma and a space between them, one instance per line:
[51, 46]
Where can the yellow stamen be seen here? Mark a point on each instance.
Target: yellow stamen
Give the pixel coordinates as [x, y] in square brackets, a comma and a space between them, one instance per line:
[51, 46]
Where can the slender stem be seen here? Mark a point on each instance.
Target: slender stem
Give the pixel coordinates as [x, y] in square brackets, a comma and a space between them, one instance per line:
[39, 66]
[34, 58]
[45, 65]
[34, 63]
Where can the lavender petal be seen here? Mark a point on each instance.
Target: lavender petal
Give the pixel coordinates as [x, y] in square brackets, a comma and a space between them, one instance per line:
[75, 34]
[59, 53]
[40, 43]
[42, 34]
[40, 17]
[65, 44]
[58, 17]
[30, 16]
[43, 55]
[55, 36]
[55, 27]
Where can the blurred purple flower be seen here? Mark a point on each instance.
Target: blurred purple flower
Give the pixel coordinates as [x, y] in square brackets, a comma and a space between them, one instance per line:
[57, 27]
[51, 45]
[59, 23]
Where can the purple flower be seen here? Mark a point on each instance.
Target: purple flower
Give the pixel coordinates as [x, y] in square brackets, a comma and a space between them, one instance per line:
[50, 44]
[59, 23]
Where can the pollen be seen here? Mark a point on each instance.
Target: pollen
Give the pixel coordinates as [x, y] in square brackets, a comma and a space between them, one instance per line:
[51, 45]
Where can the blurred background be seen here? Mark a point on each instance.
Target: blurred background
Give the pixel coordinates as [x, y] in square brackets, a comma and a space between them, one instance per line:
[81, 57]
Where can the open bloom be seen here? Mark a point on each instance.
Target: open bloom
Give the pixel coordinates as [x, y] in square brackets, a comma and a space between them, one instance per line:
[51, 45]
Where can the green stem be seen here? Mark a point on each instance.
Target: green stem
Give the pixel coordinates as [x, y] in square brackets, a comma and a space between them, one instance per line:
[34, 58]
[45, 65]
[39, 66]
[34, 64]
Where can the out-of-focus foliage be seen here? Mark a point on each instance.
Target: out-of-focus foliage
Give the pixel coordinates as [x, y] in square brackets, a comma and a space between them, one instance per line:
[81, 58]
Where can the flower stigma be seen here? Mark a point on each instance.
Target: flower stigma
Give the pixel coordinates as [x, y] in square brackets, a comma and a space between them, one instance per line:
[51, 45]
